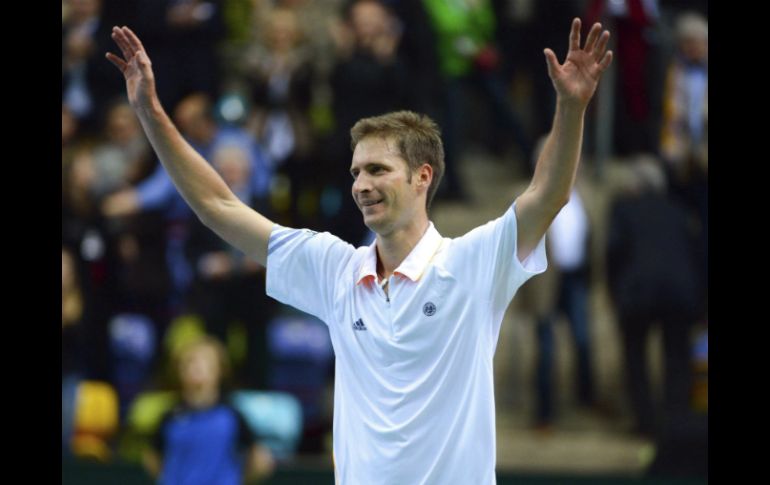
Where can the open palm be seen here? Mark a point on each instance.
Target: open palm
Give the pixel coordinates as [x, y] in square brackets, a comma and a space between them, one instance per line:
[576, 80]
[135, 66]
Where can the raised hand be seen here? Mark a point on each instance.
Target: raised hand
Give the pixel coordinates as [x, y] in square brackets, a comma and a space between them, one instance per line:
[575, 81]
[135, 66]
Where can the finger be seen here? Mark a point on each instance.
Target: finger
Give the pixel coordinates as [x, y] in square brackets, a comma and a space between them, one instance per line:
[574, 35]
[117, 61]
[606, 61]
[592, 36]
[136, 44]
[551, 62]
[601, 46]
[120, 38]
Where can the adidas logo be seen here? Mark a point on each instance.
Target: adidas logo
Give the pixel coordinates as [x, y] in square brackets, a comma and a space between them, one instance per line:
[359, 325]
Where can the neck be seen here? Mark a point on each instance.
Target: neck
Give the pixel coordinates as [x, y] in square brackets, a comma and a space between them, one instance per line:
[199, 398]
[393, 248]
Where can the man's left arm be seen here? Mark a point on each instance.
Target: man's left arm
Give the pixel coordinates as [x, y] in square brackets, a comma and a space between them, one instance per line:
[575, 82]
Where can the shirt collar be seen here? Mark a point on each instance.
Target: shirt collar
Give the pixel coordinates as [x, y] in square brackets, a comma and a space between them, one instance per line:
[413, 266]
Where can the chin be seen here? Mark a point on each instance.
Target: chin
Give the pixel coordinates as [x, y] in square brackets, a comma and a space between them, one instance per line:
[376, 224]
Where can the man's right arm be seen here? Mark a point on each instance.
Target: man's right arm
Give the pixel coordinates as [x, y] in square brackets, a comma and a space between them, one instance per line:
[200, 185]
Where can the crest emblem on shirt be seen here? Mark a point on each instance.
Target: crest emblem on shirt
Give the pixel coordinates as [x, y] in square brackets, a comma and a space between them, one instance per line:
[429, 309]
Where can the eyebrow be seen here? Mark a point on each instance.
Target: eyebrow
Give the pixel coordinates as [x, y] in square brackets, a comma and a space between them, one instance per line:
[369, 165]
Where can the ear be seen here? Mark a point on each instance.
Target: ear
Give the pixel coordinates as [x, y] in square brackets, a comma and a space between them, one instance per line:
[424, 175]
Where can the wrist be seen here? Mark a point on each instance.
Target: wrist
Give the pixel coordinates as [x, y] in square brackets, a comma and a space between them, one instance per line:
[570, 108]
[151, 109]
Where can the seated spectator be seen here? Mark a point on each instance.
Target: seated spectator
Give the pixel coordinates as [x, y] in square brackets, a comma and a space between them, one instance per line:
[204, 440]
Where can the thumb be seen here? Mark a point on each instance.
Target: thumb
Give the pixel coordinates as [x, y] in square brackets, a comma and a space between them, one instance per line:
[143, 60]
[551, 62]
[144, 64]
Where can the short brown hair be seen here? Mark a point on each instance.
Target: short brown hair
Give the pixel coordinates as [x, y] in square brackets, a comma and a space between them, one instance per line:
[418, 138]
[209, 341]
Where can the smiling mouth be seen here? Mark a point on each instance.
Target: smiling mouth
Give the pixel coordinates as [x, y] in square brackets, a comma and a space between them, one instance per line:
[371, 203]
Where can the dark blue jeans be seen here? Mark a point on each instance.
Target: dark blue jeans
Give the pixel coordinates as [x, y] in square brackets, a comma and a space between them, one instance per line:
[573, 303]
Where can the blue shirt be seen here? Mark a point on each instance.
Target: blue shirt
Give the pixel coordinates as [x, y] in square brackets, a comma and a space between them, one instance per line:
[203, 447]
[158, 191]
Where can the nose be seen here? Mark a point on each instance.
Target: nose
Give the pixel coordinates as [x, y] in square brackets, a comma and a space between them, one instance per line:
[361, 183]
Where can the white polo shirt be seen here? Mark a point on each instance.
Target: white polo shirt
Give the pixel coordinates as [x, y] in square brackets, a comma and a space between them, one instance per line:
[414, 396]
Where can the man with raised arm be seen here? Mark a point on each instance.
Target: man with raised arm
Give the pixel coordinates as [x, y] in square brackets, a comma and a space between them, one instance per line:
[414, 317]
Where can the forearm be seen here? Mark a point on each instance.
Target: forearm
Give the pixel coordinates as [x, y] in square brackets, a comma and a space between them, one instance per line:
[556, 167]
[575, 82]
[260, 463]
[152, 463]
[197, 181]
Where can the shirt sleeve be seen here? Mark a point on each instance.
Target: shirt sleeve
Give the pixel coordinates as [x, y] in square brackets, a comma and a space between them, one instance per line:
[261, 172]
[155, 191]
[304, 268]
[488, 256]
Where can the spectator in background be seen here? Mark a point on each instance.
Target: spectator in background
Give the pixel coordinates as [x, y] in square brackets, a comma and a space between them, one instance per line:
[183, 36]
[317, 21]
[568, 241]
[204, 440]
[123, 158]
[194, 118]
[417, 49]
[85, 231]
[142, 279]
[636, 102]
[76, 176]
[368, 79]
[69, 129]
[563, 289]
[523, 23]
[684, 136]
[280, 72]
[124, 257]
[86, 84]
[468, 58]
[228, 286]
[73, 327]
[653, 278]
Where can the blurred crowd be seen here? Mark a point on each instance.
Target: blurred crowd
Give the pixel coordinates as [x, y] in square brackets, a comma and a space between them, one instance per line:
[266, 91]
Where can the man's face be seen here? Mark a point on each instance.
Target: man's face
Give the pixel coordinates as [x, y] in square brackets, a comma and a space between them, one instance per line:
[369, 20]
[282, 32]
[383, 187]
[695, 49]
[83, 9]
[232, 163]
